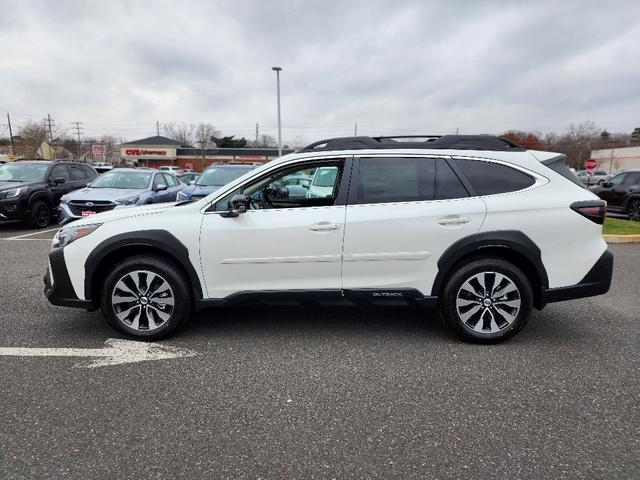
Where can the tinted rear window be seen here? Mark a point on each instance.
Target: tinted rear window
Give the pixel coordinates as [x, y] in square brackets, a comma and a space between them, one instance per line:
[488, 178]
[448, 185]
[383, 180]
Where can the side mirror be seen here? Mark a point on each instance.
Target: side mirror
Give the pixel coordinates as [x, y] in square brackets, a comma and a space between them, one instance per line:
[607, 185]
[304, 185]
[58, 181]
[237, 205]
[160, 188]
[192, 182]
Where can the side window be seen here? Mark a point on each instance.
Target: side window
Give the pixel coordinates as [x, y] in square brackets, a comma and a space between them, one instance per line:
[169, 180]
[275, 190]
[158, 180]
[60, 171]
[88, 171]
[630, 179]
[384, 180]
[76, 172]
[488, 178]
[448, 185]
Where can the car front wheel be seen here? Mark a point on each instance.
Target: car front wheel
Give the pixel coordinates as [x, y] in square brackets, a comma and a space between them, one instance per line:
[146, 297]
[40, 215]
[486, 300]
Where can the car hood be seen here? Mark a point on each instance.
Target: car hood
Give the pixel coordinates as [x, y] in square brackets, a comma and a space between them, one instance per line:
[202, 190]
[103, 194]
[9, 185]
[122, 213]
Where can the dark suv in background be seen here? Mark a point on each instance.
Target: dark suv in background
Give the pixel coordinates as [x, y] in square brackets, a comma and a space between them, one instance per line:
[30, 190]
[622, 194]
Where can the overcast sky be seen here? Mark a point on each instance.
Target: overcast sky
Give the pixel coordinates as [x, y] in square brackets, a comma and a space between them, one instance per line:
[391, 66]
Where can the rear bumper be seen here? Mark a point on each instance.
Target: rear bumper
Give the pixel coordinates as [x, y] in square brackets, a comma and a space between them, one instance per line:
[596, 282]
[57, 284]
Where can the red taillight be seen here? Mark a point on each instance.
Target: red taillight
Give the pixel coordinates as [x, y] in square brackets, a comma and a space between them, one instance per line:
[594, 210]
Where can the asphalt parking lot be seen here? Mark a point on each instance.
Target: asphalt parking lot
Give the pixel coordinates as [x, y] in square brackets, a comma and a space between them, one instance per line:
[318, 392]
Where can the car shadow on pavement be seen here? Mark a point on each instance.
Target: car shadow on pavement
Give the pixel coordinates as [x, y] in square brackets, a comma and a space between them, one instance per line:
[317, 320]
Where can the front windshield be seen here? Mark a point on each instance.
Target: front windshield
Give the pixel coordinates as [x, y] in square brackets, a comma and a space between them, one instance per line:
[217, 177]
[22, 172]
[124, 180]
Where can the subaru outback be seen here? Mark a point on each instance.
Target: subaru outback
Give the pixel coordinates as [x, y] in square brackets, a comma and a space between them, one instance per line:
[475, 226]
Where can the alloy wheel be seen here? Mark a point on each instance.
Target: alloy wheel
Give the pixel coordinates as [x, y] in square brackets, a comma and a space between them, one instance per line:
[634, 211]
[488, 302]
[42, 216]
[143, 300]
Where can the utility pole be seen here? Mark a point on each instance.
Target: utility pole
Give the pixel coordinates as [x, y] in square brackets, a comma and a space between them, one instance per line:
[158, 128]
[257, 132]
[355, 130]
[48, 121]
[77, 124]
[13, 148]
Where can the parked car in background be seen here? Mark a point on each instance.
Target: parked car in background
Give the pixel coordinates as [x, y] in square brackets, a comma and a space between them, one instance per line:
[622, 194]
[598, 177]
[323, 182]
[102, 167]
[214, 177]
[121, 187]
[189, 178]
[171, 169]
[31, 190]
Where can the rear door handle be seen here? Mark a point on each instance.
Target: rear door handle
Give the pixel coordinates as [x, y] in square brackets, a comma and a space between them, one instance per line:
[324, 227]
[453, 220]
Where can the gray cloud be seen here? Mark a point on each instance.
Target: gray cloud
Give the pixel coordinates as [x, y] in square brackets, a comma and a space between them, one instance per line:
[393, 67]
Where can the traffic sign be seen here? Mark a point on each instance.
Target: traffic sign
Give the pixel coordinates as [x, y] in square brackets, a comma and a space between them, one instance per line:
[590, 164]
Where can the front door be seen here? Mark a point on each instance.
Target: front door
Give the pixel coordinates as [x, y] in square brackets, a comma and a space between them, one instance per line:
[287, 240]
[403, 213]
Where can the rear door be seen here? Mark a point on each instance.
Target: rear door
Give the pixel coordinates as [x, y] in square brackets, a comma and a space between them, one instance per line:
[403, 213]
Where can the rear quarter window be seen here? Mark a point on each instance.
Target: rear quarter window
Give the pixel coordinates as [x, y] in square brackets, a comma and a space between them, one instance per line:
[488, 178]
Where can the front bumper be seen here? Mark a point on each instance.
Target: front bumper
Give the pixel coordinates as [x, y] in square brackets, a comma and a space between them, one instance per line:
[57, 284]
[596, 282]
[13, 209]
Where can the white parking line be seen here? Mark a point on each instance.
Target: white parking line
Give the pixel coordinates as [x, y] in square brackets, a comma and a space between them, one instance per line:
[25, 239]
[18, 237]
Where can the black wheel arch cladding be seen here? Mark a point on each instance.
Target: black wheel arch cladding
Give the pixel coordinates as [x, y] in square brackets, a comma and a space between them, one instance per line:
[157, 240]
[508, 240]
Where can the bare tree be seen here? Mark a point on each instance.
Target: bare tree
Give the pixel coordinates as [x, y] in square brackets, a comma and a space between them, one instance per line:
[29, 138]
[183, 132]
[265, 141]
[578, 141]
[205, 134]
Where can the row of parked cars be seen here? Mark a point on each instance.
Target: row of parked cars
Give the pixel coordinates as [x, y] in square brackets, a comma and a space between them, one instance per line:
[37, 191]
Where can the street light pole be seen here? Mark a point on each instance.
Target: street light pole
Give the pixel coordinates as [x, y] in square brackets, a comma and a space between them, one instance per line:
[278, 70]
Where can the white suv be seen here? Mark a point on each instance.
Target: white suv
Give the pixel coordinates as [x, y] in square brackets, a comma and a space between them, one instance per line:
[474, 225]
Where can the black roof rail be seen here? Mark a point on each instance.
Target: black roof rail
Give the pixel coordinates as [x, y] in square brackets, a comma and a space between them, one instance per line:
[454, 142]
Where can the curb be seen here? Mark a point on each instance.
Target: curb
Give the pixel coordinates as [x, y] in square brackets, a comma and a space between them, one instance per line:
[621, 238]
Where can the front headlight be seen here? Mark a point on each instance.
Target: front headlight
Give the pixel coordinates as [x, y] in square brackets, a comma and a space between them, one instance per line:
[129, 200]
[70, 234]
[14, 192]
[181, 196]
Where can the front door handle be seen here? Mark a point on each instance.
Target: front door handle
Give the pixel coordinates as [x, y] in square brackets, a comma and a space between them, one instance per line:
[324, 227]
[453, 220]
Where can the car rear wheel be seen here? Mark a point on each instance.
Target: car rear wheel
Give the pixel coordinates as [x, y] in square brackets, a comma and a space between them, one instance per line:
[40, 215]
[634, 211]
[146, 297]
[486, 300]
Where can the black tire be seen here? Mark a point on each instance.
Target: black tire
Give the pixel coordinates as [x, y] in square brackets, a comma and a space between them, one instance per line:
[164, 269]
[508, 320]
[634, 210]
[40, 214]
